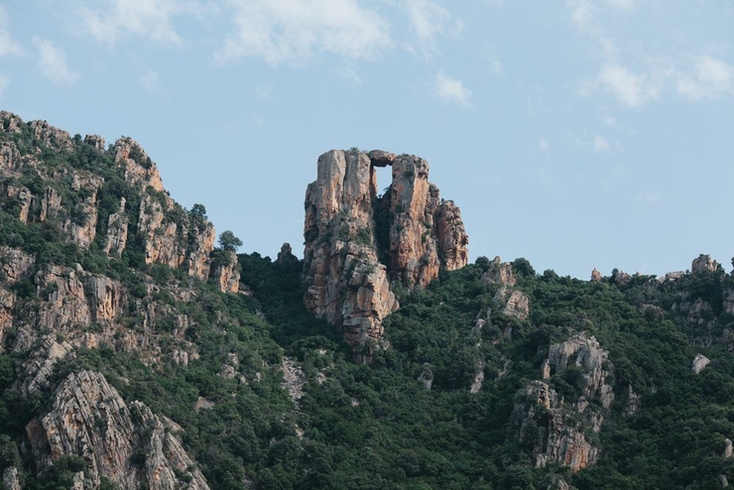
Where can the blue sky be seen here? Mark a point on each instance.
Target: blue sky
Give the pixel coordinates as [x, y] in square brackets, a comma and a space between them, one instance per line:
[577, 134]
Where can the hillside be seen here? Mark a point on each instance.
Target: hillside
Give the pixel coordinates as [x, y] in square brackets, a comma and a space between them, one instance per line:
[134, 353]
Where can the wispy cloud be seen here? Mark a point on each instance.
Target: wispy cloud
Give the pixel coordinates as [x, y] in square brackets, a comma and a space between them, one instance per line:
[428, 20]
[600, 143]
[52, 62]
[451, 90]
[151, 81]
[581, 12]
[265, 91]
[630, 88]
[710, 79]
[294, 30]
[543, 145]
[152, 19]
[349, 75]
[7, 45]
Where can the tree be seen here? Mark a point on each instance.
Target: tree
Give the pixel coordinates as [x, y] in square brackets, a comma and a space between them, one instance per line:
[229, 242]
[198, 210]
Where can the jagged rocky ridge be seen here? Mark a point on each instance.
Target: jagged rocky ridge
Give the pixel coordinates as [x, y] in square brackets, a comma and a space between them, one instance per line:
[85, 213]
[356, 242]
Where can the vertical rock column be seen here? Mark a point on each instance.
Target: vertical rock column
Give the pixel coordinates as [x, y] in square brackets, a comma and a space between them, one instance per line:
[347, 285]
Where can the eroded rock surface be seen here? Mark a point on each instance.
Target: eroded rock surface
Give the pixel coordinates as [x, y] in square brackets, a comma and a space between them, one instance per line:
[75, 200]
[127, 444]
[564, 439]
[357, 241]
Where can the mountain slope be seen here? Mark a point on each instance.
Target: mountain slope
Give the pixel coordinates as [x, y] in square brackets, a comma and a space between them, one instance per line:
[133, 357]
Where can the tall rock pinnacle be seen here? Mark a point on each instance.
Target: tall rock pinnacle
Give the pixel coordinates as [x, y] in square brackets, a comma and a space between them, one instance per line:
[356, 240]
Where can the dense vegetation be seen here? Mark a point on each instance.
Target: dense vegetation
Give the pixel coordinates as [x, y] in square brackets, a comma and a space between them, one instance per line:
[378, 426]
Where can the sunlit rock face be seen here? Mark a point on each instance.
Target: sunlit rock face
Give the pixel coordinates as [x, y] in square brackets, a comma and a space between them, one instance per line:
[357, 242]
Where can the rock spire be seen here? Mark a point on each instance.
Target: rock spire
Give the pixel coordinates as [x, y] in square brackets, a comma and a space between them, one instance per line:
[357, 241]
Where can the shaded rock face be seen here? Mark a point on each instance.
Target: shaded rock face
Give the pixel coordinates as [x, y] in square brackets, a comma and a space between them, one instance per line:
[127, 444]
[357, 241]
[560, 437]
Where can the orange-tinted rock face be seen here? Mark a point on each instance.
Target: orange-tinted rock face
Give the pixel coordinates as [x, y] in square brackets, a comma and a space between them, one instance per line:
[356, 240]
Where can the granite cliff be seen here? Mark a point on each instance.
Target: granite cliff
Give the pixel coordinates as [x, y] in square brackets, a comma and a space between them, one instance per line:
[80, 224]
[357, 242]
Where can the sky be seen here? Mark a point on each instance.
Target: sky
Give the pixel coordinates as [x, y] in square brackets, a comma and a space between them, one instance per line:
[578, 134]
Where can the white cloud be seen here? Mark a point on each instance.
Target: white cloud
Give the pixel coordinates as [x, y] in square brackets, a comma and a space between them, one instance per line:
[628, 87]
[543, 145]
[601, 143]
[581, 12]
[427, 21]
[711, 78]
[7, 45]
[609, 121]
[451, 90]
[147, 18]
[293, 30]
[52, 62]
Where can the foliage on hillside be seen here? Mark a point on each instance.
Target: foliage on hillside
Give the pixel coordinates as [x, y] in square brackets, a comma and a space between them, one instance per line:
[378, 426]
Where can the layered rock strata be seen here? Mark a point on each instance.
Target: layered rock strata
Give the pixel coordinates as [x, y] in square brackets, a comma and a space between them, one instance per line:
[357, 241]
[125, 443]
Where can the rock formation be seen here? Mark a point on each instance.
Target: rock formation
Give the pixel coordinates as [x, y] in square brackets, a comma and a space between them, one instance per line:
[74, 199]
[499, 273]
[699, 363]
[356, 241]
[563, 441]
[704, 263]
[127, 444]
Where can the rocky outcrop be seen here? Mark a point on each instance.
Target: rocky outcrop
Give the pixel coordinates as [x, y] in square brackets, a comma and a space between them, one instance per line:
[106, 297]
[39, 368]
[596, 276]
[73, 197]
[116, 239]
[356, 241]
[513, 302]
[10, 478]
[585, 353]
[699, 363]
[704, 263]
[285, 256]
[425, 231]
[127, 444]
[226, 272]
[557, 430]
[346, 284]
[499, 272]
